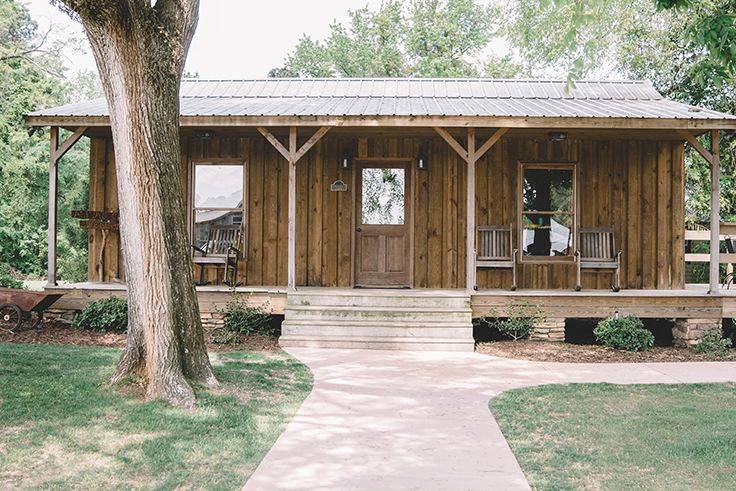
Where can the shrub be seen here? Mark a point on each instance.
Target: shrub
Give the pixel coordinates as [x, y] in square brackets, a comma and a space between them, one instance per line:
[241, 318]
[625, 333]
[713, 343]
[6, 277]
[518, 325]
[109, 315]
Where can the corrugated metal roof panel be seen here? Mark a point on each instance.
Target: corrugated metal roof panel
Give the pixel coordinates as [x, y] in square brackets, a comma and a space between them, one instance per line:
[418, 97]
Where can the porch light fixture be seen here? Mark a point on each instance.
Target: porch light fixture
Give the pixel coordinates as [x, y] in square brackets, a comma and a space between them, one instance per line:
[203, 135]
[558, 136]
[422, 160]
[345, 159]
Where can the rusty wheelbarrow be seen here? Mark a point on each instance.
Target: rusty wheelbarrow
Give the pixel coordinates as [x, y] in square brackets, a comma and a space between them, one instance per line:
[17, 306]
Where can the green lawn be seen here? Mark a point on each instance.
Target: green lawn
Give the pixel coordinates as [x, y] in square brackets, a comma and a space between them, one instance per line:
[600, 436]
[62, 426]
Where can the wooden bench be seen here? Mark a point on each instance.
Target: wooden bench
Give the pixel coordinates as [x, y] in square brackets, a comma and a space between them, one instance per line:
[496, 249]
[597, 250]
[221, 249]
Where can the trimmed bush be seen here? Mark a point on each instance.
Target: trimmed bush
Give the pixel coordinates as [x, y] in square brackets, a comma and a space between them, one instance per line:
[240, 318]
[624, 333]
[6, 278]
[108, 315]
[518, 325]
[713, 343]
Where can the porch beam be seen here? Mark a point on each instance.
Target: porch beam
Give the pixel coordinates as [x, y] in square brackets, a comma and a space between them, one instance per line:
[715, 211]
[53, 196]
[470, 252]
[489, 143]
[693, 141]
[275, 142]
[69, 142]
[317, 136]
[463, 153]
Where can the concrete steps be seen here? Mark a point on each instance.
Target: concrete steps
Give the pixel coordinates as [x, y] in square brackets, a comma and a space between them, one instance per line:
[438, 320]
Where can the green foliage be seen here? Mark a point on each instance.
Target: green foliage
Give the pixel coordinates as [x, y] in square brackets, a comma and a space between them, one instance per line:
[713, 343]
[109, 315]
[7, 280]
[421, 38]
[518, 324]
[242, 318]
[32, 77]
[625, 333]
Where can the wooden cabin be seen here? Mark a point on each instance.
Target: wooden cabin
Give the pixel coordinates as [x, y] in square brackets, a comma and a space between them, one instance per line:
[388, 212]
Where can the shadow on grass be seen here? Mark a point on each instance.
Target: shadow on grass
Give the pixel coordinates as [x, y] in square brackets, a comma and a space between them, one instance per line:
[62, 426]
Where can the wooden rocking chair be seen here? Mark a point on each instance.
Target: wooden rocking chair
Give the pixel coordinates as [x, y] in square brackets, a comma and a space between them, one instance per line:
[222, 248]
[598, 251]
[496, 249]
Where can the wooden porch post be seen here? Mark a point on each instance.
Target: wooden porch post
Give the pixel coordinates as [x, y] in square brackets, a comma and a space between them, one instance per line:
[53, 196]
[715, 212]
[292, 156]
[470, 252]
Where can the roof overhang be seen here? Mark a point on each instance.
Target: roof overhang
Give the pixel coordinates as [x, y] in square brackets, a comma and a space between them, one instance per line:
[410, 121]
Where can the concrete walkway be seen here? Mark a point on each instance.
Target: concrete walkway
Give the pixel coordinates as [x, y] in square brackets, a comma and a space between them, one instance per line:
[420, 420]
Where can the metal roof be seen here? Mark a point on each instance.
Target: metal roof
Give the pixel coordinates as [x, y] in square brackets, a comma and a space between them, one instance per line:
[416, 97]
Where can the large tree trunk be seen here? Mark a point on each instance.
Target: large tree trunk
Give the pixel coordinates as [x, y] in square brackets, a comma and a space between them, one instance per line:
[140, 52]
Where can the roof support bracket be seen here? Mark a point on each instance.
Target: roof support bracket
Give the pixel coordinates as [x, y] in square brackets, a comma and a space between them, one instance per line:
[292, 154]
[692, 140]
[470, 155]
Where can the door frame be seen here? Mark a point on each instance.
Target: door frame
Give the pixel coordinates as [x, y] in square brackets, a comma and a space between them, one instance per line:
[384, 162]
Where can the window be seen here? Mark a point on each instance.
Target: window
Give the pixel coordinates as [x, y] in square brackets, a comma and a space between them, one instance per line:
[217, 199]
[382, 201]
[547, 210]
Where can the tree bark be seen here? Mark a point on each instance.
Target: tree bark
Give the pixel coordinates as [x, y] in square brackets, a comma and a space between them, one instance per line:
[140, 51]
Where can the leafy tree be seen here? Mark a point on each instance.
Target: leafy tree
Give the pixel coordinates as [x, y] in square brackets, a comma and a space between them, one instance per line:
[425, 38]
[31, 77]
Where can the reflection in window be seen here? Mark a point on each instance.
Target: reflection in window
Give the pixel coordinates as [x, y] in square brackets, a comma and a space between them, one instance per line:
[383, 196]
[548, 211]
[218, 202]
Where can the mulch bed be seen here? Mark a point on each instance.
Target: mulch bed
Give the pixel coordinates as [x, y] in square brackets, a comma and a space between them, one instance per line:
[61, 333]
[574, 353]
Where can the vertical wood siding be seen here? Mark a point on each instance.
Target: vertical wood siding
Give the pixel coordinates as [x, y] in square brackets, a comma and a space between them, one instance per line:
[635, 187]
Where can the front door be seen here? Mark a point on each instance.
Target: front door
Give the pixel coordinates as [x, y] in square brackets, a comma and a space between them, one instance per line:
[383, 252]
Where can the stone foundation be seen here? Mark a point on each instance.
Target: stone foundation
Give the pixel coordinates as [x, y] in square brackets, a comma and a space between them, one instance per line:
[549, 330]
[687, 332]
[211, 320]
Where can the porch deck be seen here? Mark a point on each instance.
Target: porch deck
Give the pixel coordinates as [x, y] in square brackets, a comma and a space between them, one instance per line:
[694, 301]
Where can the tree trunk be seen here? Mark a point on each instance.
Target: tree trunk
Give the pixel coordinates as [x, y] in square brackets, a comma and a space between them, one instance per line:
[140, 52]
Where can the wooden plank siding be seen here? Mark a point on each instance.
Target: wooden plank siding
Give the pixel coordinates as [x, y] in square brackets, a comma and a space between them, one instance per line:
[633, 186]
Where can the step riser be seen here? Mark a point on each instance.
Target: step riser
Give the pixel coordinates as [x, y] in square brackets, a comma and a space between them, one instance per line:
[369, 301]
[386, 315]
[357, 330]
[379, 345]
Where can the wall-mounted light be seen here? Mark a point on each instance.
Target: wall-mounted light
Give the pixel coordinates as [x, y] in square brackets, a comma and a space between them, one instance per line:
[558, 136]
[346, 159]
[422, 158]
[203, 134]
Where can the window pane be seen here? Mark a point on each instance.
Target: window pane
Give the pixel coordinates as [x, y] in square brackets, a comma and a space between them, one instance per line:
[208, 222]
[218, 186]
[383, 196]
[548, 190]
[547, 235]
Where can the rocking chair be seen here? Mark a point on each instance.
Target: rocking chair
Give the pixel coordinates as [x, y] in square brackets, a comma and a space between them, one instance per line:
[222, 249]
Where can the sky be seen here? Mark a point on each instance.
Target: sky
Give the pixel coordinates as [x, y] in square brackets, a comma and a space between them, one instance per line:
[234, 38]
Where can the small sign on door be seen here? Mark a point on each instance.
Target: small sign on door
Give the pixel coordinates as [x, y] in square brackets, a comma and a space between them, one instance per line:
[338, 186]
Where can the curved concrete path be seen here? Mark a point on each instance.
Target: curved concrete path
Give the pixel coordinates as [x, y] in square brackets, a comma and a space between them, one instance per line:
[420, 420]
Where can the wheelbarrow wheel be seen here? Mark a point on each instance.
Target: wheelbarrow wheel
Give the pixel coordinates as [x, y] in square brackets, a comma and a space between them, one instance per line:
[11, 317]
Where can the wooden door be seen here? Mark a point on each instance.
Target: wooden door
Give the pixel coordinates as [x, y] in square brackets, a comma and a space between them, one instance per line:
[383, 218]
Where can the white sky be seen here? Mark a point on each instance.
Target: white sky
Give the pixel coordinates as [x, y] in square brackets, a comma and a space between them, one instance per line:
[234, 38]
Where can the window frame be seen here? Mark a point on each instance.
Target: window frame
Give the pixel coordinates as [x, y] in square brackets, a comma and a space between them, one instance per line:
[192, 209]
[522, 167]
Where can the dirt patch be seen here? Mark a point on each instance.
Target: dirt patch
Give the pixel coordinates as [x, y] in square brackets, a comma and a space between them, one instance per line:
[61, 333]
[574, 353]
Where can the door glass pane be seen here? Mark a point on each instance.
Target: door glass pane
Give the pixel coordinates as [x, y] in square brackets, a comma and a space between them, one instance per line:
[548, 190]
[547, 235]
[383, 196]
[218, 186]
[208, 222]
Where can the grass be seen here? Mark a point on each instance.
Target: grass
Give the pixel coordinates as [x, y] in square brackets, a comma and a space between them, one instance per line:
[62, 426]
[600, 436]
